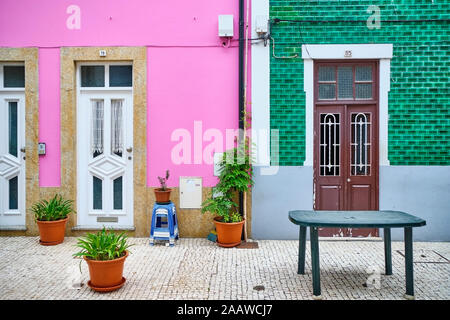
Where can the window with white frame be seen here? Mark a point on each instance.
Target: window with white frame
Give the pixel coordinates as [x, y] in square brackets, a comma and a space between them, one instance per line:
[105, 75]
[12, 76]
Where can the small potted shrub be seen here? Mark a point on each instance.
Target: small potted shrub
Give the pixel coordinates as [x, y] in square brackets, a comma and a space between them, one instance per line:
[228, 222]
[235, 176]
[51, 217]
[105, 253]
[162, 194]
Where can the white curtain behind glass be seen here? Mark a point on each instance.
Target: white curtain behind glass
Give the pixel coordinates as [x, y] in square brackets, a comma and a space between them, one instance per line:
[97, 126]
[116, 126]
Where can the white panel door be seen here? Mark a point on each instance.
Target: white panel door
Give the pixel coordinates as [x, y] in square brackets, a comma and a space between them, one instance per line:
[105, 159]
[12, 160]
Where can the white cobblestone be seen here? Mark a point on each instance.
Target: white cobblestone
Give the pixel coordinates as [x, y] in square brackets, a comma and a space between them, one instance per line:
[198, 269]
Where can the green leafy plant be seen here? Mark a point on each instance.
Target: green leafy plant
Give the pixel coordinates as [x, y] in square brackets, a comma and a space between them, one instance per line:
[220, 205]
[233, 217]
[235, 176]
[163, 181]
[103, 245]
[56, 208]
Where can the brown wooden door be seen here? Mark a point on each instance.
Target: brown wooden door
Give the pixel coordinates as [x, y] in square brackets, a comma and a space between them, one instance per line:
[346, 141]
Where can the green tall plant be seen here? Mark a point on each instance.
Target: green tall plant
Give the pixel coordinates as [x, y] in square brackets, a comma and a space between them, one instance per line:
[56, 208]
[235, 176]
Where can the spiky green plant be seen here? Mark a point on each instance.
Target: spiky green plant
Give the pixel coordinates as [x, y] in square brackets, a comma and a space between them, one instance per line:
[103, 245]
[56, 208]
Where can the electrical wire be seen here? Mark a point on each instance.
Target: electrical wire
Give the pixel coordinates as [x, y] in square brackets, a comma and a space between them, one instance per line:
[277, 20]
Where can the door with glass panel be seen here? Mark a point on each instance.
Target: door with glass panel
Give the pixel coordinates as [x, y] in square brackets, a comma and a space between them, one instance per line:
[346, 141]
[12, 147]
[105, 159]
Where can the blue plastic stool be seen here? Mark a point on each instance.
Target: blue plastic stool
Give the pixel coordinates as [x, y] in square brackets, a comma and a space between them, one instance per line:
[164, 223]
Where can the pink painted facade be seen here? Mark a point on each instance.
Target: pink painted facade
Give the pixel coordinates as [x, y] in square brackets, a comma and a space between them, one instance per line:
[49, 115]
[190, 75]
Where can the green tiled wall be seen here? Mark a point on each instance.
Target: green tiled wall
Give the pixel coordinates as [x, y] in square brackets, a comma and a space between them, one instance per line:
[419, 100]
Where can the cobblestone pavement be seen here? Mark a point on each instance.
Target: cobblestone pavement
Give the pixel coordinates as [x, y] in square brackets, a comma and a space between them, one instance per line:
[198, 269]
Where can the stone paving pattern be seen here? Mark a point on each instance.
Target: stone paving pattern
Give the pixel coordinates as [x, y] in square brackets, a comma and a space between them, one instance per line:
[199, 269]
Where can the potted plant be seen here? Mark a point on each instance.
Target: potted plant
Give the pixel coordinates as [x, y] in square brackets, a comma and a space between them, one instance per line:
[105, 253]
[235, 176]
[162, 194]
[51, 217]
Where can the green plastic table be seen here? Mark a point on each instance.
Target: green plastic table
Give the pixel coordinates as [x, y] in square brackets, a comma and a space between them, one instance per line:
[355, 219]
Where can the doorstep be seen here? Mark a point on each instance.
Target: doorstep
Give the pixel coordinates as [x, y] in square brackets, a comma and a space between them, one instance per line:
[118, 228]
[13, 228]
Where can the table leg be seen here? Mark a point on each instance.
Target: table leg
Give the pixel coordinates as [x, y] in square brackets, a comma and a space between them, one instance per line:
[387, 251]
[409, 264]
[314, 235]
[301, 250]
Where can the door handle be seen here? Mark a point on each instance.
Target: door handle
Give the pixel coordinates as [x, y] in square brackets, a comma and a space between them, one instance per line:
[129, 149]
[22, 149]
[348, 180]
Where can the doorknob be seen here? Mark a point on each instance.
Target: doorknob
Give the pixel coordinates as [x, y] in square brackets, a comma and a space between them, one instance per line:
[129, 149]
[348, 180]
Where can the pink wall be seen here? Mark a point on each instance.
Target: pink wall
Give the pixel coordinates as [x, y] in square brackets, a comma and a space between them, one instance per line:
[186, 86]
[190, 75]
[49, 117]
[42, 23]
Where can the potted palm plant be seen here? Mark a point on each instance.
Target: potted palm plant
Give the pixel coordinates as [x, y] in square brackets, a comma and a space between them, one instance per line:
[51, 217]
[235, 176]
[105, 253]
[162, 194]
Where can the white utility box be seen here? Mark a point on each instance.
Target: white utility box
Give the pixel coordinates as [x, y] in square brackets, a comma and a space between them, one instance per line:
[261, 24]
[226, 25]
[190, 192]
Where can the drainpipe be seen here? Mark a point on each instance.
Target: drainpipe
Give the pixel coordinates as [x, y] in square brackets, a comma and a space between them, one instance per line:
[241, 87]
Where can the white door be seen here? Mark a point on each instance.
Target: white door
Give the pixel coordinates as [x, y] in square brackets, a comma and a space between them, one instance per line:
[12, 160]
[105, 158]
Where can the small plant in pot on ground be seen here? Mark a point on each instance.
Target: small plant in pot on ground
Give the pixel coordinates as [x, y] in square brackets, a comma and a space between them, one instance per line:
[51, 217]
[235, 176]
[105, 253]
[162, 194]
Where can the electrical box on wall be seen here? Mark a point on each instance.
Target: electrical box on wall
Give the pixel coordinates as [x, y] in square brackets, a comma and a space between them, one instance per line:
[226, 25]
[190, 192]
[261, 24]
[41, 148]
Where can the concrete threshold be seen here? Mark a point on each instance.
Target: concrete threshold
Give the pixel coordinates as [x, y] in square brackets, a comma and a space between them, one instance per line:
[95, 228]
[350, 239]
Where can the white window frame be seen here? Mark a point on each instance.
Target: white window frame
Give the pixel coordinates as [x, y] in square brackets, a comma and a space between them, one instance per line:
[106, 65]
[2, 88]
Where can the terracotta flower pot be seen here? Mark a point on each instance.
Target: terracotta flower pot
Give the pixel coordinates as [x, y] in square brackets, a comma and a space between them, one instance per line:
[228, 234]
[162, 196]
[52, 232]
[106, 275]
